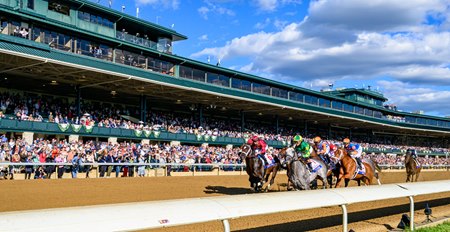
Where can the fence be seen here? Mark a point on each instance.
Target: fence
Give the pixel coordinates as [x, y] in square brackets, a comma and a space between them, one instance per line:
[158, 214]
[181, 167]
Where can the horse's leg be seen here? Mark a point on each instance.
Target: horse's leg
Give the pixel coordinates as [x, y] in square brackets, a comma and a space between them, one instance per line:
[359, 182]
[346, 182]
[407, 177]
[417, 175]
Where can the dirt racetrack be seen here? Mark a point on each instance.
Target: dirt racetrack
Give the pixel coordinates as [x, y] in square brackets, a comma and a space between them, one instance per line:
[372, 216]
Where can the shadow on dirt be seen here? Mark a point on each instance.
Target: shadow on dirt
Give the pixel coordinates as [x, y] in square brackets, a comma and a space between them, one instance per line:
[336, 220]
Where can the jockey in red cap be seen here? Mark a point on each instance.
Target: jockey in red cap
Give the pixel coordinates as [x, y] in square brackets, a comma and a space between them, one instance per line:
[258, 144]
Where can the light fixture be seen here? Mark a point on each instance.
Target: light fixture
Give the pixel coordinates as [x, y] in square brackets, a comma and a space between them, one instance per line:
[260, 113]
[113, 93]
[290, 118]
[53, 83]
[178, 102]
[223, 108]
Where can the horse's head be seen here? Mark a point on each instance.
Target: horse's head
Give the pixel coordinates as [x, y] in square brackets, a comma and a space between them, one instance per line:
[245, 151]
[339, 154]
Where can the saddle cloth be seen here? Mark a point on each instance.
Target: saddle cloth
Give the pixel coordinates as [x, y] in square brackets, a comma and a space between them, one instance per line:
[270, 159]
[316, 166]
[360, 171]
[417, 163]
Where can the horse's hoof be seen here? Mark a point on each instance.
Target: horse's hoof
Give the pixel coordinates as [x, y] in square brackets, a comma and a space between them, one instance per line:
[290, 189]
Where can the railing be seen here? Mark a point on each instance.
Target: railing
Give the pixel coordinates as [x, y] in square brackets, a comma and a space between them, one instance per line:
[53, 128]
[159, 214]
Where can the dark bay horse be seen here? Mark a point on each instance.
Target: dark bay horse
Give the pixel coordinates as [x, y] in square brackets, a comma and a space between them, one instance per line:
[348, 169]
[298, 173]
[413, 168]
[254, 166]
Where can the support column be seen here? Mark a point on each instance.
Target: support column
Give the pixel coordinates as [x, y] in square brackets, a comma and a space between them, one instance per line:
[305, 130]
[329, 130]
[277, 125]
[78, 101]
[200, 114]
[242, 121]
[143, 108]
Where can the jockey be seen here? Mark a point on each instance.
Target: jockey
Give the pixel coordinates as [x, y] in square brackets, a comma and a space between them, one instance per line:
[258, 144]
[355, 151]
[322, 149]
[303, 148]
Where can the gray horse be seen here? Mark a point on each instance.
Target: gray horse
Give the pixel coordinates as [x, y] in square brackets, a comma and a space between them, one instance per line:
[300, 176]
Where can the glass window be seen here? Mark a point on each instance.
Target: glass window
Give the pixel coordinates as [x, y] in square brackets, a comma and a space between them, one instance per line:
[93, 19]
[324, 102]
[296, 96]
[337, 105]
[368, 112]
[198, 75]
[348, 108]
[30, 4]
[59, 7]
[260, 88]
[410, 119]
[241, 84]
[311, 99]
[377, 114]
[185, 72]
[276, 92]
[359, 110]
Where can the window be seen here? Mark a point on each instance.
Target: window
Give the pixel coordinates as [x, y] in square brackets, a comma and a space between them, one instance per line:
[241, 84]
[368, 112]
[337, 105]
[348, 108]
[199, 75]
[30, 4]
[324, 102]
[296, 96]
[185, 72]
[359, 110]
[58, 7]
[217, 79]
[276, 92]
[260, 88]
[311, 99]
[377, 114]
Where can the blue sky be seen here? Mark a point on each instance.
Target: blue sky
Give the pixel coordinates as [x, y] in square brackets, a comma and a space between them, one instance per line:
[398, 47]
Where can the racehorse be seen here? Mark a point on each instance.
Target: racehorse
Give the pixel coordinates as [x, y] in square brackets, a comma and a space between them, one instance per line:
[298, 173]
[412, 167]
[333, 170]
[348, 169]
[254, 167]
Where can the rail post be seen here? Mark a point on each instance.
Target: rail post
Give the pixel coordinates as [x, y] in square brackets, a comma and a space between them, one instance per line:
[411, 212]
[344, 218]
[226, 225]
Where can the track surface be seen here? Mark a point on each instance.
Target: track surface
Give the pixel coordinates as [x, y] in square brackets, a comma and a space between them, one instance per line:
[372, 216]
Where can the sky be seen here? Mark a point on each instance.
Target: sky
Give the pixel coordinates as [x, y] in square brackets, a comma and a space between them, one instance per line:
[400, 48]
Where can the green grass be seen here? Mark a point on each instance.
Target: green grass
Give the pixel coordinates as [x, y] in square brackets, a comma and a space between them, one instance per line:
[445, 227]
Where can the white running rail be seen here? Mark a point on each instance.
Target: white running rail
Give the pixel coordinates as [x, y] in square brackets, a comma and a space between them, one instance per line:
[158, 214]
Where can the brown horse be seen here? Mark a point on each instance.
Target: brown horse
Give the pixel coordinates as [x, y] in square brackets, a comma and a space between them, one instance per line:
[254, 167]
[348, 169]
[413, 167]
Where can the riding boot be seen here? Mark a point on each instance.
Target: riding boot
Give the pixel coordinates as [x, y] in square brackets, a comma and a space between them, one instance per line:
[310, 167]
[266, 162]
[358, 160]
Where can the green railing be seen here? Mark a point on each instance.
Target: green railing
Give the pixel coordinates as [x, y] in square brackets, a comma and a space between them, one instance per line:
[402, 152]
[54, 128]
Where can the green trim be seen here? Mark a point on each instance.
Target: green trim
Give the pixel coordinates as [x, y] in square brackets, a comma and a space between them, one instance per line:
[127, 70]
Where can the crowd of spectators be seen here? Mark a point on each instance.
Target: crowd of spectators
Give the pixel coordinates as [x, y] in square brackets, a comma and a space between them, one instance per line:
[79, 154]
[33, 107]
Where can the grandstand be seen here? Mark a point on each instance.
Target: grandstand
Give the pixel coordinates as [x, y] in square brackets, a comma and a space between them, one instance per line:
[80, 71]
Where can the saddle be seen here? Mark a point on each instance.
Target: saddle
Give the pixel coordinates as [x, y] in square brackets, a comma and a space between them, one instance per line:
[315, 166]
[269, 159]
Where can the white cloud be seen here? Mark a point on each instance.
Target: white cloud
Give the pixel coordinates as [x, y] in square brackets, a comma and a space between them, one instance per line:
[203, 37]
[413, 98]
[213, 8]
[174, 4]
[272, 5]
[262, 25]
[353, 39]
